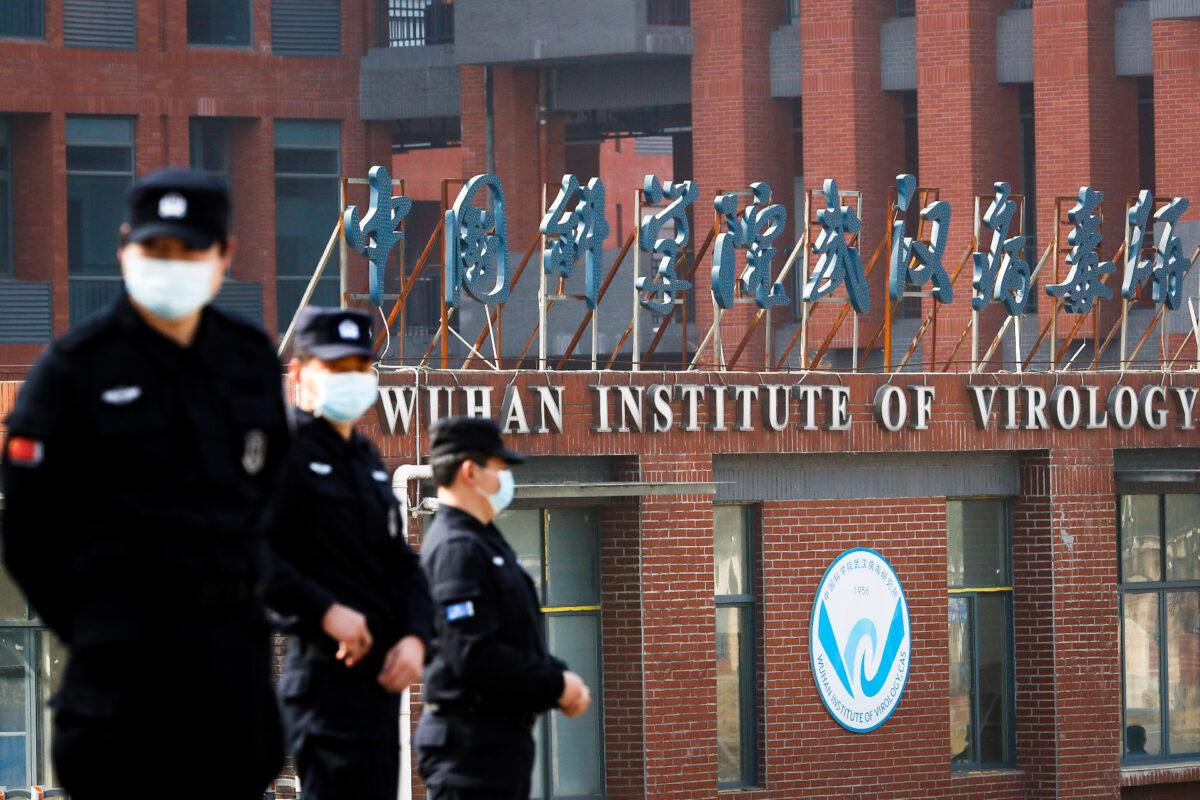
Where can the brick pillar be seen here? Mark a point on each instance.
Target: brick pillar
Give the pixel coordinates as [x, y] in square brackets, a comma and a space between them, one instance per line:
[252, 184]
[969, 131]
[740, 134]
[679, 634]
[39, 166]
[1065, 579]
[854, 132]
[1085, 121]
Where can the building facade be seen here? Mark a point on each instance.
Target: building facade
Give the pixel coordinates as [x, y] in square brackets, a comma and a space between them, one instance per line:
[1039, 504]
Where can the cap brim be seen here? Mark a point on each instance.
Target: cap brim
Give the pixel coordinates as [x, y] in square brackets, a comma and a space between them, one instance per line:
[511, 456]
[191, 237]
[332, 352]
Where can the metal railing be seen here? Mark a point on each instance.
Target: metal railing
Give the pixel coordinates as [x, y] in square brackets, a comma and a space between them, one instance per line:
[416, 23]
[669, 12]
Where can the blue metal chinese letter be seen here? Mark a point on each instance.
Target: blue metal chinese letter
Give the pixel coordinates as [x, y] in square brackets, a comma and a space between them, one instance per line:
[477, 245]
[665, 282]
[912, 261]
[582, 227]
[1083, 284]
[1170, 264]
[839, 261]
[1137, 269]
[377, 233]
[754, 230]
[1000, 272]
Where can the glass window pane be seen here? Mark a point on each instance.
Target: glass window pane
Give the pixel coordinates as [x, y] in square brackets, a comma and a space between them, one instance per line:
[306, 133]
[99, 130]
[16, 648]
[22, 18]
[732, 639]
[100, 158]
[306, 162]
[210, 146]
[537, 789]
[289, 291]
[976, 543]
[1183, 672]
[995, 699]
[576, 743]
[1140, 539]
[523, 532]
[1143, 717]
[6, 261]
[12, 601]
[52, 660]
[219, 22]
[572, 567]
[730, 550]
[961, 671]
[1183, 537]
[306, 212]
[95, 211]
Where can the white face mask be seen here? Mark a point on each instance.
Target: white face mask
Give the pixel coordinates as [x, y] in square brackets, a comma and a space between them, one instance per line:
[344, 396]
[502, 498]
[169, 288]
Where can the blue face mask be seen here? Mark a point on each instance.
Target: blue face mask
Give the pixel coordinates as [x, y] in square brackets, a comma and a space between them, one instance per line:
[169, 288]
[502, 498]
[344, 396]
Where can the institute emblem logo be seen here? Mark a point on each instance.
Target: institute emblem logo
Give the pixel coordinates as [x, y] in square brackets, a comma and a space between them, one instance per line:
[860, 640]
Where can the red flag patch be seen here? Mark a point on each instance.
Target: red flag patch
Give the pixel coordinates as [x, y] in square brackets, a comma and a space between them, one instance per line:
[24, 452]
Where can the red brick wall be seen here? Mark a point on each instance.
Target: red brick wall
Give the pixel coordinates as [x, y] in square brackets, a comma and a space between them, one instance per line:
[1176, 86]
[623, 170]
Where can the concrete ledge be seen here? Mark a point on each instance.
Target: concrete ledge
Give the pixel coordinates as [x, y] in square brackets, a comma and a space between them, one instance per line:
[1174, 9]
[898, 54]
[1133, 41]
[1014, 46]
[785, 61]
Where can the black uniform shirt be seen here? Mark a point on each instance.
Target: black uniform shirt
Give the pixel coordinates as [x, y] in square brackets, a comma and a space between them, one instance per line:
[137, 471]
[490, 651]
[336, 521]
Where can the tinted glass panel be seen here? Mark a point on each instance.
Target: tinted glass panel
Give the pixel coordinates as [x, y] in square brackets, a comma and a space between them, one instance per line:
[1183, 672]
[572, 571]
[1141, 540]
[210, 146]
[52, 660]
[732, 640]
[1143, 714]
[22, 19]
[219, 22]
[12, 601]
[576, 769]
[1183, 537]
[95, 211]
[976, 551]
[99, 158]
[99, 130]
[306, 133]
[730, 550]
[961, 681]
[16, 651]
[995, 699]
[6, 252]
[523, 531]
[306, 212]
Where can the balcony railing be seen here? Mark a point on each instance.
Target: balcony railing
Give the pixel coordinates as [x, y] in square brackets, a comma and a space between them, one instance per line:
[670, 12]
[415, 23]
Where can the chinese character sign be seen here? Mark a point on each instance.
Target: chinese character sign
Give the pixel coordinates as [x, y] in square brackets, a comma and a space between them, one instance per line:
[1083, 283]
[1170, 264]
[915, 262]
[1001, 274]
[477, 245]
[375, 234]
[579, 225]
[665, 282]
[753, 231]
[839, 263]
[1137, 269]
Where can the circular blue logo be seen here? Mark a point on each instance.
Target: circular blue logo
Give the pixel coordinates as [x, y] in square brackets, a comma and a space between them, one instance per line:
[860, 640]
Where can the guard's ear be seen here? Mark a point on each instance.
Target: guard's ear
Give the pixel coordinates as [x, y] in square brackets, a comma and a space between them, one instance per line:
[293, 370]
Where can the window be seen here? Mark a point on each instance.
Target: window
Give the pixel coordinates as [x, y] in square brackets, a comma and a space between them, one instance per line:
[1160, 625]
[733, 576]
[31, 665]
[306, 27]
[1029, 181]
[413, 23]
[792, 9]
[208, 140]
[111, 25]
[22, 19]
[6, 208]
[99, 171]
[307, 207]
[979, 582]
[220, 23]
[559, 548]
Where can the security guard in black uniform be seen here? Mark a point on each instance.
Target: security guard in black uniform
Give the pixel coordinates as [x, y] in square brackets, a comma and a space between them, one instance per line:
[336, 520]
[490, 674]
[136, 476]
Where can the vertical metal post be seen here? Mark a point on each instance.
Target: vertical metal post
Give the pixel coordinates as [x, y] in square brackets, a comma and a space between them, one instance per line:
[887, 297]
[804, 281]
[974, 313]
[635, 342]
[343, 254]
[542, 295]
[1054, 305]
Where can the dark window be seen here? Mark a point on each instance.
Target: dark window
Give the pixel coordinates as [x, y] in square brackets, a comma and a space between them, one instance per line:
[413, 23]
[906, 8]
[307, 208]
[306, 27]
[31, 666]
[208, 140]
[1160, 625]
[559, 548]
[100, 24]
[6, 209]
[1029, 183]
[669, 12]
[910, 307]
[979, 582]
[99, 171]
[733, 578]
[792, 9]
[22, 19]
[1145, 90]
[221, 23]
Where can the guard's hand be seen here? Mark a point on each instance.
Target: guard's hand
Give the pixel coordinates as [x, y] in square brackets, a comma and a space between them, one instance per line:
[402, 666]
[348, 628]
[576, 696]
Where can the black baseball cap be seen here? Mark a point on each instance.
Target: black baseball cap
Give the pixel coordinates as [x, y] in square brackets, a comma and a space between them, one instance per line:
[184, 204]
[332, 333]
[458, 436]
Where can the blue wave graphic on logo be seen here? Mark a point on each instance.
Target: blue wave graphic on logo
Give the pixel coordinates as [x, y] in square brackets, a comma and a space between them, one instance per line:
[840, 658]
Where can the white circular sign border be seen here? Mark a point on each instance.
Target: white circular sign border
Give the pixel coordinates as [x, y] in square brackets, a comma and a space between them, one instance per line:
[812, 661]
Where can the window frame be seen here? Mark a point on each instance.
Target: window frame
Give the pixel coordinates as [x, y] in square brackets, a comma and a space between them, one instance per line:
[249, 45]
[39, 37]
[1161, 589]
[972, 593]
[747, 604]
[8, 258]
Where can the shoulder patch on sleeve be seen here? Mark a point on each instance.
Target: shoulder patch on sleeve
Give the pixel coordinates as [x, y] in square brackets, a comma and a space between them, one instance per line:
[22, 451]
[457, 611]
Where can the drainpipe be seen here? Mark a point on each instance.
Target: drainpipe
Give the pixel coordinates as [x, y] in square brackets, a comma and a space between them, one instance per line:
[404, 475]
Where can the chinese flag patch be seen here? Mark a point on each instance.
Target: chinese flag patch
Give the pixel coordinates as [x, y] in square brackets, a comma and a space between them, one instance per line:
[24, 452]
